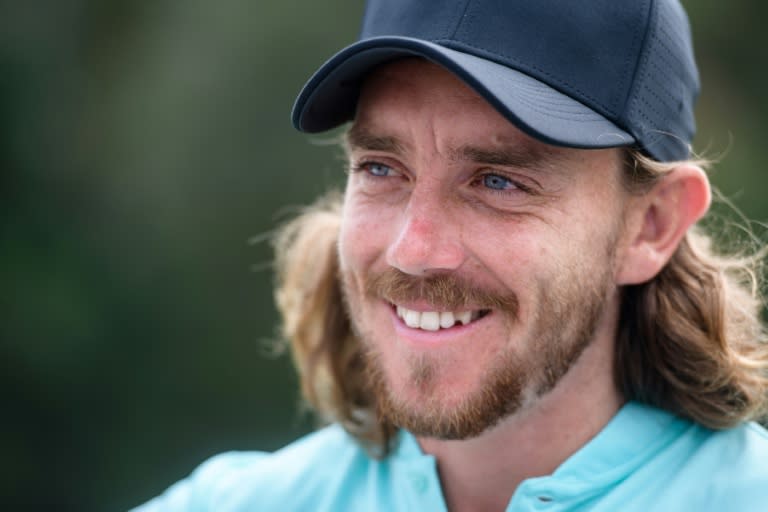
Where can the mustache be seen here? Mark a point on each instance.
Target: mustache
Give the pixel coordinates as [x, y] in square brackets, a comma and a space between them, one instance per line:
[447, 292]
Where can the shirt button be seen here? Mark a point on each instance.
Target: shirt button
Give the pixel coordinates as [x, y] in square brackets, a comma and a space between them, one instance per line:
[419, 482]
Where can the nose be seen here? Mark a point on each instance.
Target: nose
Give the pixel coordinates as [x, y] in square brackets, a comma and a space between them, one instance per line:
[428, 239]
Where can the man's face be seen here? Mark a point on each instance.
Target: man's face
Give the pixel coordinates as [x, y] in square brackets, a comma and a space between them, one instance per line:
[477, 263]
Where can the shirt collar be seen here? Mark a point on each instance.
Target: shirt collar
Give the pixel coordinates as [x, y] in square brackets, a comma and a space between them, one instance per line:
[633, 435]
[636, 433]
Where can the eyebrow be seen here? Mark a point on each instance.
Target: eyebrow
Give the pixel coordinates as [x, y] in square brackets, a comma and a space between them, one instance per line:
[507, 155]
[358, 138]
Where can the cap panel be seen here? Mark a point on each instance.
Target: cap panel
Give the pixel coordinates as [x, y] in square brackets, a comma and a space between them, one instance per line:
[554, 41]
[429, 20]
[660, 110]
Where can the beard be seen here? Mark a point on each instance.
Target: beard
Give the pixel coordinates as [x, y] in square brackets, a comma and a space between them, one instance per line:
[560, 329]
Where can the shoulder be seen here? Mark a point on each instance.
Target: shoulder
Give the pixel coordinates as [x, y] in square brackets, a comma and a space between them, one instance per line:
[291, 478]
[727, 470]
[738, 461]
[742, 450]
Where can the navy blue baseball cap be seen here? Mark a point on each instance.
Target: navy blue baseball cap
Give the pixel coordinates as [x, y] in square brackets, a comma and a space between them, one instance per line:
[582, 74]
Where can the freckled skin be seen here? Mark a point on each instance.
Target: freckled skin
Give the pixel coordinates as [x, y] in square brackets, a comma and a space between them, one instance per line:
[551, 239]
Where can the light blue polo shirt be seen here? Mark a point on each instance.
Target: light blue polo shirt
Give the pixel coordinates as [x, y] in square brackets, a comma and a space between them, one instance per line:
[644, 460]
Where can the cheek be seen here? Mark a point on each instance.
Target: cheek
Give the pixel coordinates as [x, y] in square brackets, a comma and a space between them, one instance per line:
[362, 238]
[511, 253]
[530, 260]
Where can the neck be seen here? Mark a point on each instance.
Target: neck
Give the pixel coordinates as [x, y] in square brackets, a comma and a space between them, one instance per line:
[482, 473]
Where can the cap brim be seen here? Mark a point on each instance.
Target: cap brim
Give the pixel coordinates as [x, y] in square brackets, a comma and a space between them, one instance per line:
[329, 98]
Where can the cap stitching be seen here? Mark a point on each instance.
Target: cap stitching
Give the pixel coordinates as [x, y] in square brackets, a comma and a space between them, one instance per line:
[650, 135]
[665, 100]
[636, 72]
[667, 55]
[660, 143]
[648, 104]
[460, 19]
[640, 84]
[627, 61]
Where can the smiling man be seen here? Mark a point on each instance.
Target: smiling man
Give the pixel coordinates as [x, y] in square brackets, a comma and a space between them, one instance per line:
[511, 308]
[478, 264]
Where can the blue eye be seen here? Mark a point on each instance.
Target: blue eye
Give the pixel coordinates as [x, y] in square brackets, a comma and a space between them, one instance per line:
[496, 182]
[377, 169]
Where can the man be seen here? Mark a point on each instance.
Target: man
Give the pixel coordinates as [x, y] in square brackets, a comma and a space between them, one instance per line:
[510, 308]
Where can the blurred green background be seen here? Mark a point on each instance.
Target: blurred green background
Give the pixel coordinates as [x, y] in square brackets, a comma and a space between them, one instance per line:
[143, 143]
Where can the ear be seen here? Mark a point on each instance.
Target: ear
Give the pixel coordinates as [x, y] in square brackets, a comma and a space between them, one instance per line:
[665, 213]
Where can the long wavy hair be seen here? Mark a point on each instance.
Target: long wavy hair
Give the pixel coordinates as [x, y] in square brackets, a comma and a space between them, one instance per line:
[690, 341]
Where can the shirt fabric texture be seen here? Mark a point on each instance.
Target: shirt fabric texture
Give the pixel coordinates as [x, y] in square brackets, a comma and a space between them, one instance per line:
[644, 459]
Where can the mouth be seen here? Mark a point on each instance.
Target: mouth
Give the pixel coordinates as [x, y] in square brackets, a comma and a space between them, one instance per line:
[438, 320]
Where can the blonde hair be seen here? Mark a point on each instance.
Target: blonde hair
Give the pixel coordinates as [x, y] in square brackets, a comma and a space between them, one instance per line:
[690, 340]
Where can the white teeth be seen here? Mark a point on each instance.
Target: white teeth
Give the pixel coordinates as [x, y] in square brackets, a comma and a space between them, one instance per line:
[446, 319]
[412, 318]
[433, 320]
[430, 321]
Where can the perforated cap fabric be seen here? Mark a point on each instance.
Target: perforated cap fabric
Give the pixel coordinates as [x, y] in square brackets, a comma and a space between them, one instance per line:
[660, 107]
[597, 74]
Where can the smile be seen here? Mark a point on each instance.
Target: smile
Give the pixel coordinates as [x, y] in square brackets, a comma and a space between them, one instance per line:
[436, 320]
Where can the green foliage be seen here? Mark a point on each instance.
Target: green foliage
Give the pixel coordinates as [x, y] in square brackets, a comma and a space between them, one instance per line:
[142, 144]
